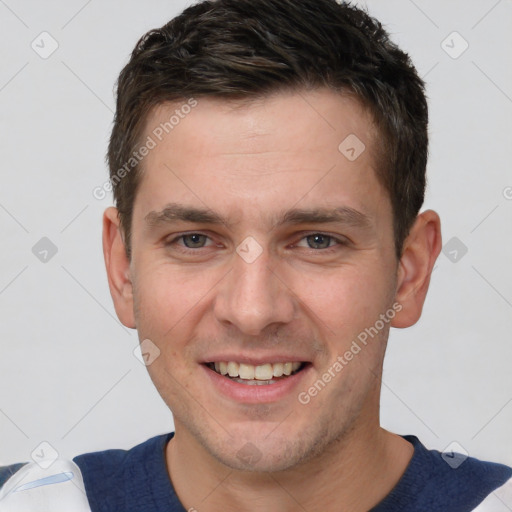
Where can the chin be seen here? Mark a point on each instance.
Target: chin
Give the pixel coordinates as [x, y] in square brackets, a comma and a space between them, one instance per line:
[266, 451]
[262, 457]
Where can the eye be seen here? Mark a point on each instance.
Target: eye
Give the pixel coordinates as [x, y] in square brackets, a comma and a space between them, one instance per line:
[194, 240]
[192, 245]
[318, 241]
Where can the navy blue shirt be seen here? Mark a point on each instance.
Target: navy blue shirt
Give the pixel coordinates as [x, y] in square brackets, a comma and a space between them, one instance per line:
[136, 480]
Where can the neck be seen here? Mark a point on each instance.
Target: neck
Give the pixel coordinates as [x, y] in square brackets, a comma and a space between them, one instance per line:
[357, 471]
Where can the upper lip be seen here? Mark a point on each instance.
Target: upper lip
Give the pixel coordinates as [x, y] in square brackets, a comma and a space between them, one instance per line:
[255, 360]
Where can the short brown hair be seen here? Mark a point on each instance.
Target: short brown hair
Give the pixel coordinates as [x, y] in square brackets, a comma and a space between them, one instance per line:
[236, 49]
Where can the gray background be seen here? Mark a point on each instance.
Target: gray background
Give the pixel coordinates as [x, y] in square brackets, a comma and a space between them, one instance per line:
[68, 375]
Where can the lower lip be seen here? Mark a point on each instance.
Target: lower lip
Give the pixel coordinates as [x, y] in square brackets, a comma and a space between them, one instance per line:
[256, 394]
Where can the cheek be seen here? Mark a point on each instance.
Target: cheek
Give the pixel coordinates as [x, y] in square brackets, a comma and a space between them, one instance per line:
[167, 298]
[342, 298]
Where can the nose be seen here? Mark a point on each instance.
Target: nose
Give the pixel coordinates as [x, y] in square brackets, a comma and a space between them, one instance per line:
[253, 297]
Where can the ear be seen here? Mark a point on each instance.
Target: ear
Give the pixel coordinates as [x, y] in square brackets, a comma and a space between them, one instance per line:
[421, 249]
[118, 268]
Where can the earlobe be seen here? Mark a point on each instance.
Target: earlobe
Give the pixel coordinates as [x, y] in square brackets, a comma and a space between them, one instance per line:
[118, 268]
[421, 249]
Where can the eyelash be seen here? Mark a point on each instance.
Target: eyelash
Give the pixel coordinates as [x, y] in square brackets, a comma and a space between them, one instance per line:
[337, 242]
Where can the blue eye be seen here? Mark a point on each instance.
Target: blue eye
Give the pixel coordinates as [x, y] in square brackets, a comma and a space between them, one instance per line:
[194, 240]
[318, 241]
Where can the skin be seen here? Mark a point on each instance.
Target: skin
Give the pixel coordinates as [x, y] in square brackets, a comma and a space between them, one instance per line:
[250, 163]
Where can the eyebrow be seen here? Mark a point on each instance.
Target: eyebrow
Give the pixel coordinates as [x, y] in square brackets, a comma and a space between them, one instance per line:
[341, 215]
[174, 212]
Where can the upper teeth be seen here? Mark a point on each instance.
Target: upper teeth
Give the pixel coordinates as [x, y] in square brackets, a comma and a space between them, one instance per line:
[250, 372]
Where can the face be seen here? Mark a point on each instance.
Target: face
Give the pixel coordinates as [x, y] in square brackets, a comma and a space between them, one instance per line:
[260, 247]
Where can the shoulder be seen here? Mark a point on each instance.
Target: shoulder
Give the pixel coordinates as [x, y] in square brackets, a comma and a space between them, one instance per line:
[33, 487]
[129, 480]
[449, 480]
[453, 470]
[108, 463]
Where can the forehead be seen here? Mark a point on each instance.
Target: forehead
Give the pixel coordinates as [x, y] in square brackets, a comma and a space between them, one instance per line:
[302, 149]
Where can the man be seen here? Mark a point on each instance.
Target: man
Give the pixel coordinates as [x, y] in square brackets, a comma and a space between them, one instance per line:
[268, 166]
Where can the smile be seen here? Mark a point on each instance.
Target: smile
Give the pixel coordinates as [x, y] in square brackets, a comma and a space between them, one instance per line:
[263, 374]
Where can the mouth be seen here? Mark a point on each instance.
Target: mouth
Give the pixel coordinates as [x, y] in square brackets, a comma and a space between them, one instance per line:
[256, 375]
